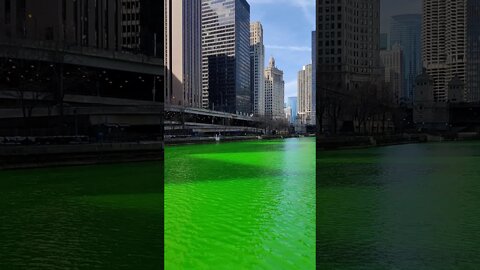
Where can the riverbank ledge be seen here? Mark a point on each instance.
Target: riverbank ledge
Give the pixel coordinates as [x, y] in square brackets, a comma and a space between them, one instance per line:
[32, 156]
[348, 142]
[198, 140]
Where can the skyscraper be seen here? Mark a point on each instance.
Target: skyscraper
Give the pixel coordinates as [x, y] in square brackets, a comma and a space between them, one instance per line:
[183, 48]
[392, 62]
[257, 67]
[348, 51]
[226, 55]
[473, 51]
[406, 31]
[274, 91]
[119, 25]
[314, 76]
[348, 42]
[292, 103]
[305, 95]
[450, 38]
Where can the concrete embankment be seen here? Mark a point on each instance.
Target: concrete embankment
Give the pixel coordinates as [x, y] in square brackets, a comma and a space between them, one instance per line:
[346, 142]
[20, 156]
[198, 140]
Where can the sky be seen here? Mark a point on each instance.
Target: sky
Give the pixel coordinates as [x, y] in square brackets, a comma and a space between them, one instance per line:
[287, 35]
[395, 7]
[288, 26]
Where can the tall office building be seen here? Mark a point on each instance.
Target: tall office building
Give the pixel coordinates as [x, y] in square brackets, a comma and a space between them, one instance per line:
[274, 91]
[348, 40]
[473, 51]
[183, 52]
[305, 95]
[292, 103]
[392, 62]
[226, 55]
[406, 31]
[314, 76]
[115, 25]
[257, 67]
[450, 38]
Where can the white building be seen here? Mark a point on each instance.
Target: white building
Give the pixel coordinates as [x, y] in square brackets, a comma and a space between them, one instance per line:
[305, 96]
[257, 67]
[183, 52]
[274, 91]
[392, 62]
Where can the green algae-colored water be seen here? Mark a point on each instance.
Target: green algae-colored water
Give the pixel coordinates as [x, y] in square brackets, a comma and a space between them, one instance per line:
[88, 217]
[399, 207]
[243, 205]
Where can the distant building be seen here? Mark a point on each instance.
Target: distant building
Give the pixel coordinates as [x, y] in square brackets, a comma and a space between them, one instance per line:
[392, 62]
[406, 31]
[257, 68]
[314, 77]
[473, 51]
[305, 95]
[274, 91]
[456, 89]
[451, 38]
[427, 113]
[226, 56]
[292, 103]
[288, 112]
[384, 41]
[183, 52]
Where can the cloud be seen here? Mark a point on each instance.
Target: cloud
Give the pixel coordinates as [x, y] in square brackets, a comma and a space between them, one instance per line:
[289, 48]
[307, 6]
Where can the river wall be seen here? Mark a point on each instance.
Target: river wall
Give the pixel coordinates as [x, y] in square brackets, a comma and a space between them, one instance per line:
[197, 140]
[20, 156]
[345, 142]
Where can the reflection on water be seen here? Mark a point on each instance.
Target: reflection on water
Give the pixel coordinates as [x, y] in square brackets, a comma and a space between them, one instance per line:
[92, 217]
[399, 207]
[246, 205]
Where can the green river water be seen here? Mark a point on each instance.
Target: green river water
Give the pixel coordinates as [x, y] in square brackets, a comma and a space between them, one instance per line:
[87, 217]
[250, 205]
[399, 207]
[245, 205]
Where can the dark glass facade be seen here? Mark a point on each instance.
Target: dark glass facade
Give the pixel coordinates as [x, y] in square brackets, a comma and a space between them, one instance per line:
[473, 50]
[406, 31]
[226, 55]
[242, 55]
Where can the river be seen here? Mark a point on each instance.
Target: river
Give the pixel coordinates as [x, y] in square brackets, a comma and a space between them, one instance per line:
[241, 205]
[86, 217]
[399, 207]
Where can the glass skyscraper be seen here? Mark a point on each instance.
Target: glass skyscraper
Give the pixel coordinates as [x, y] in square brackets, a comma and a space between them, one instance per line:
[473, 51]
[406, 31]
[292, 103]
[226, 55]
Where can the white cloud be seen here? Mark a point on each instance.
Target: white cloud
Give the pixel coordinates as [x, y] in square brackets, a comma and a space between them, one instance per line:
[307, 7]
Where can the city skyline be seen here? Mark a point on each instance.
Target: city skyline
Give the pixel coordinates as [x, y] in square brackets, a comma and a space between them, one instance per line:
[288, 27]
